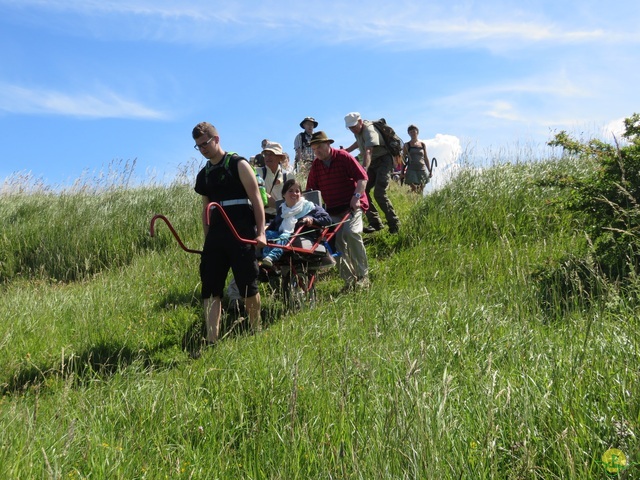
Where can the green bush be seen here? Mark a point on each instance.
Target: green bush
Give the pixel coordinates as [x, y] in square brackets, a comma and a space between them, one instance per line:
[607, 199]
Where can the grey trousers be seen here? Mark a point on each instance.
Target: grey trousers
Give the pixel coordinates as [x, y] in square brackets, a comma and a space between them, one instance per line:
[352, 263]
[379, 173]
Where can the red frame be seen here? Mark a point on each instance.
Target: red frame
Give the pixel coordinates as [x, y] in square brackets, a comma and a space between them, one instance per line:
[326, 233]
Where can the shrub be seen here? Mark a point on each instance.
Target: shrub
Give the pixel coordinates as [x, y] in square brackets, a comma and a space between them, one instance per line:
[607, 200]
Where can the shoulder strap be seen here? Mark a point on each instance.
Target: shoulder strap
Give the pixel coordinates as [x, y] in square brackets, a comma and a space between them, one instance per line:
[227, 158]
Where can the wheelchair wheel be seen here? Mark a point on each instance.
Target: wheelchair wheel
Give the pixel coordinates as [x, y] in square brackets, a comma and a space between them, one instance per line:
[299, 290]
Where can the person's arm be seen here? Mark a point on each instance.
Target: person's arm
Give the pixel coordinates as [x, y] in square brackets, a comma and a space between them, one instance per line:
[250, 184]
[426, 159]
[355, 200]
[366, 157]
[352, 147]
[321, 217]
[318, 216]
[205, 226]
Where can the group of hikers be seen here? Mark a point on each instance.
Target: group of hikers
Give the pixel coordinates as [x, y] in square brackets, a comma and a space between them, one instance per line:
[263, 199]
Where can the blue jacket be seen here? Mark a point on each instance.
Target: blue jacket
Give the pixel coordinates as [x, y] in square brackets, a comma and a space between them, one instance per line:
[320, 218]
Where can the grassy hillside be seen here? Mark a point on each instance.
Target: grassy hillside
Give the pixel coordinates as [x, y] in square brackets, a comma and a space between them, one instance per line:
[471, 356]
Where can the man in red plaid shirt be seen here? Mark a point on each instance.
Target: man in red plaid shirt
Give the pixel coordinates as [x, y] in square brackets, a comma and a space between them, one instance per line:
[341, 181]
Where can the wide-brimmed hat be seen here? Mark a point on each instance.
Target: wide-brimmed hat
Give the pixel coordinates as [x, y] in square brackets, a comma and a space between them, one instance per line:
[351, 119]
[273, 147]
[320, 137]
[309, 119]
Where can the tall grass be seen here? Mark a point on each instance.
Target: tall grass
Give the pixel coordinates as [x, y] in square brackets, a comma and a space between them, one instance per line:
[72, 236]
[451, 366]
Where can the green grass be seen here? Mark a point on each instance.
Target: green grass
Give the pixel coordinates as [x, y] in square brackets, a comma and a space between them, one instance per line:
[450, 366]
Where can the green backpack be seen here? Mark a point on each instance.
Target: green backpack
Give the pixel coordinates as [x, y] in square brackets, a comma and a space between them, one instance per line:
[261, 187]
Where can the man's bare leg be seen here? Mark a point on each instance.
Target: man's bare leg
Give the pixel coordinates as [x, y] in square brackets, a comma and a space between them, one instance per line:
[212, 313]
[253, 306]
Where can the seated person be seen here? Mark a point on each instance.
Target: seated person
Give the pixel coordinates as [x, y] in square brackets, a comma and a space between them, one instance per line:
[293, 212]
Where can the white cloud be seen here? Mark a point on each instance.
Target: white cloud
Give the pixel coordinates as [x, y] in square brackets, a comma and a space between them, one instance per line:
[21, 100]
[614, 128]
[446, 149]
[401, 24]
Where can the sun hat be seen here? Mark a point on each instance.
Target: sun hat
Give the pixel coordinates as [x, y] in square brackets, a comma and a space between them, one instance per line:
[351, 119]
[319, 137]
[273, 147]
[309, 119]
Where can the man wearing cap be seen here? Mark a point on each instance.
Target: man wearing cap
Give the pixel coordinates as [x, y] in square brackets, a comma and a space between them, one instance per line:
[273, 175]
[342, 180]
[379, 164]
[304, 154]
[233, 185]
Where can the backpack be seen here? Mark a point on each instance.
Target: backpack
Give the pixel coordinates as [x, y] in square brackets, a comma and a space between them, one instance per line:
[261, 187]
[392, 141]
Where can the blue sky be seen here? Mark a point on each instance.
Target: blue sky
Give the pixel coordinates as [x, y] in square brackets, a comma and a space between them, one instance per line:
[86, 83]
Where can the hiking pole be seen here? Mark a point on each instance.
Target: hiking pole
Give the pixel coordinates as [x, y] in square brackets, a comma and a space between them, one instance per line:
[175, 234]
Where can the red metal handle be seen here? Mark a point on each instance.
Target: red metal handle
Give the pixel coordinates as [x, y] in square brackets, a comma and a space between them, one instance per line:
[325, 234]
[175, 234]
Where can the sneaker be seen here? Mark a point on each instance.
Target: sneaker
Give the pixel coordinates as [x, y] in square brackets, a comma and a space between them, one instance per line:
[267, 262]
[371, 229]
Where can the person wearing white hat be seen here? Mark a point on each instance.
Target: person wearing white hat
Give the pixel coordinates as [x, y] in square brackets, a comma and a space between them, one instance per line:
[379, 164]
[273, 175]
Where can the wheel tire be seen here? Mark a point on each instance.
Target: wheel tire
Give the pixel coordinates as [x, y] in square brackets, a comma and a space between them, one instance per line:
[296, 292]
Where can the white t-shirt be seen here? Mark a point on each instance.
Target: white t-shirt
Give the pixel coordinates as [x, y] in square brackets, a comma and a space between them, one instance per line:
[273, 183]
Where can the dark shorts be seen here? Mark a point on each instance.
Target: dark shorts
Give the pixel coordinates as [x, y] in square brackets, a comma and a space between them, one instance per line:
[221, 253]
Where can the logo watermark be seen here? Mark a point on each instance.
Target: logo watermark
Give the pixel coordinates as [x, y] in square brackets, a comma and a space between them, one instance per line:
[614, 461]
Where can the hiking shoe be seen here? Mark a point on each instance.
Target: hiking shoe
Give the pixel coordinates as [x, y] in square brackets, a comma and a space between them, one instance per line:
[263, 275]
[348, 287]
[362, 283]
[371, 229]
